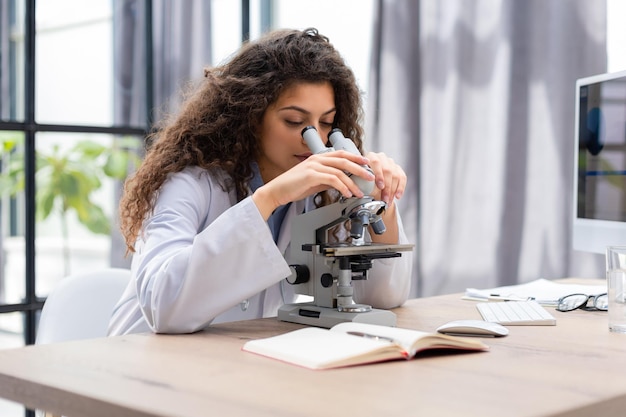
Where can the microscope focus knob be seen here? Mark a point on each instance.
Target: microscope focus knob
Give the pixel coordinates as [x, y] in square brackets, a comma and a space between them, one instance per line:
[299, 274]
[326, 280]
[379, 226]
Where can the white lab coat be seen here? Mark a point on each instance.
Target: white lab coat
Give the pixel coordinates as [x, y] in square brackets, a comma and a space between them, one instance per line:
[204, 258]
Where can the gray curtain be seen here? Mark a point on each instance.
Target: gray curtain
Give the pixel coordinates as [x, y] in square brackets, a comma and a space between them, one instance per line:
[181, 32]
[476, 100]
[182, 49]
[181, 35]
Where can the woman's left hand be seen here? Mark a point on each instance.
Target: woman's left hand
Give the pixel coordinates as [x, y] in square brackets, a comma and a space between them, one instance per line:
[390, 177]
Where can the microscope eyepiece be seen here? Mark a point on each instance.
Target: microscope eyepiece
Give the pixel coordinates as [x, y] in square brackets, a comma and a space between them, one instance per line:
[313, 140]
[307, 128]
[333, 130]
[340, 142]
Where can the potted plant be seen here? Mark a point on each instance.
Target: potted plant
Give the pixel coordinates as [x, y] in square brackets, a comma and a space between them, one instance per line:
[66, 179]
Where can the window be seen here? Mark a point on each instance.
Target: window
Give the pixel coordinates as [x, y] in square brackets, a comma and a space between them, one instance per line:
[58, 131]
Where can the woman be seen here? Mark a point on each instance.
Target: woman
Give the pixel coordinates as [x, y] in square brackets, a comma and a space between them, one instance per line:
[203, 214]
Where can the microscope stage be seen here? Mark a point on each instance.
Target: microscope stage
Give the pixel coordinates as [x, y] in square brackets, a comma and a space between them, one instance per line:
[310, 314]
[348, 250]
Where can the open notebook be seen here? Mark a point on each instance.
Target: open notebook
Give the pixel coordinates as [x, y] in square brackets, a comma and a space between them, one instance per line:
[348, 344]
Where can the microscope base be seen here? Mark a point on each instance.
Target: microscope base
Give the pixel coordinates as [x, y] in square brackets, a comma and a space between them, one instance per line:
[310, 314]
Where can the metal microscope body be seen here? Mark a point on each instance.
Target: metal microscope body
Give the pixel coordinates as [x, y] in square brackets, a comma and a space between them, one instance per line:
[324, 269]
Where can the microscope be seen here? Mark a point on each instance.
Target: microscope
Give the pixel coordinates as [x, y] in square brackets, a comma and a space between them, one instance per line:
[324, 269]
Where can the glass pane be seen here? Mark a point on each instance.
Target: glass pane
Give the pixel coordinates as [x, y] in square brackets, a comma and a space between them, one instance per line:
[12, 266]
[74, 62]
[11, 409]
[11, 331]
[12, 60]
[349, 28]
[225, 29]
[78, 183]
[11, 336]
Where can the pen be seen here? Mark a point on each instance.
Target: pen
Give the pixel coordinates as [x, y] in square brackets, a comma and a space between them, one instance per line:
[372, 336]
[510, 297]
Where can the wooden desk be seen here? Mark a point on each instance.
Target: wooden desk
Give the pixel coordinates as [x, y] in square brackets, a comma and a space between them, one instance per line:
[576, 368]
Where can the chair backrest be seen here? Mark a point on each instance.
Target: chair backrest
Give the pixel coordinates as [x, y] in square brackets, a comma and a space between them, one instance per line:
[80, 306]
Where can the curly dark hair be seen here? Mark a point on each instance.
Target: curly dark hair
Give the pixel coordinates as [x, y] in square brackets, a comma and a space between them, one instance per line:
[217, 127]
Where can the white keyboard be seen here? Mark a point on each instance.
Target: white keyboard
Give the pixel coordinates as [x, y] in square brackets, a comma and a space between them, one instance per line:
[514, 313]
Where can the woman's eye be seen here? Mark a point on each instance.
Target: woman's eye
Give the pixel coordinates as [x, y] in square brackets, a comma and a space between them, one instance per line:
[293, 122]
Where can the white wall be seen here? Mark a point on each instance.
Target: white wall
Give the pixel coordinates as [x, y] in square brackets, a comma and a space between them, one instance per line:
[616, 35]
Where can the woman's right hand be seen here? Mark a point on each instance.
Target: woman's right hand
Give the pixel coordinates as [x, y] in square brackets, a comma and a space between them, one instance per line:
[317, 173]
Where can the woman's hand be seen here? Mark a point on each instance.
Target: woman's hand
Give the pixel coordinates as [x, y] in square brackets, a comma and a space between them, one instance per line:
[317, 173]
[390, 184]
[390, 177]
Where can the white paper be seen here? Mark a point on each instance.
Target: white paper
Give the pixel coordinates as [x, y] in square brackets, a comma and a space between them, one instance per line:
[544, 291]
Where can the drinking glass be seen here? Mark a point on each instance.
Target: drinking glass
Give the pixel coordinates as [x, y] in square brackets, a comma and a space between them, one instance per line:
[616, 286]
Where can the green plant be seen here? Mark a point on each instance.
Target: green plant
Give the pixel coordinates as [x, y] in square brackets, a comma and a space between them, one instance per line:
[66, 179]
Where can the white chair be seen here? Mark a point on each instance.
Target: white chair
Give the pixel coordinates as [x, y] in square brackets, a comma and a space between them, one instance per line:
[80, 306]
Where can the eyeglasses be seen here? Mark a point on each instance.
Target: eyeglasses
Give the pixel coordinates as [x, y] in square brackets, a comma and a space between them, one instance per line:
[582, 301]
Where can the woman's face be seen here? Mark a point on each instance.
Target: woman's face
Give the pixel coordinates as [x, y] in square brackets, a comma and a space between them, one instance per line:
[301, 105]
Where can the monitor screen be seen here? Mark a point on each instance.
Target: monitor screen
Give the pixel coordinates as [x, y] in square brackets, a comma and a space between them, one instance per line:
[600, 163]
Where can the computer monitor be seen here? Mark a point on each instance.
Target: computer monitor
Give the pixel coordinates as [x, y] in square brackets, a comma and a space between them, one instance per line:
[600, 163]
